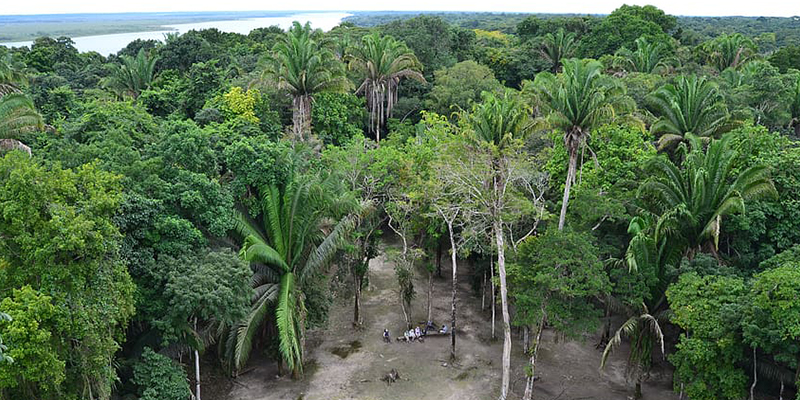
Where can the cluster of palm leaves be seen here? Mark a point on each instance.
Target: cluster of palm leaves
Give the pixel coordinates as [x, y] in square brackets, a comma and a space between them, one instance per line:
[293, 236]
[134, 75]
[649, 57]
[690, 201]
[686, 205]
[384, 61]
[693, 105]
[558, 46]
[730, 51]
[304, 64]
[17, 112]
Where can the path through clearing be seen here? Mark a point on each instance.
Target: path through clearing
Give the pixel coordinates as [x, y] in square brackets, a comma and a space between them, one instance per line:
[349, 365]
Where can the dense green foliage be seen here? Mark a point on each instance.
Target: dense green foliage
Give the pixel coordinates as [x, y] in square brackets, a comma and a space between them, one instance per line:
[196, 193]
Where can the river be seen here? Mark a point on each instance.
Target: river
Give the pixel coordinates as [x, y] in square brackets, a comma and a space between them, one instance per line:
[112, 43]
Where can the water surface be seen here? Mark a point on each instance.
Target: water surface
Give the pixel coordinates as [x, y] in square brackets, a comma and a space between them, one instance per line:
[112, 43]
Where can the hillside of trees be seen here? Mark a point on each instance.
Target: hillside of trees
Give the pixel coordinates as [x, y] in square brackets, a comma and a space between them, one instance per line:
[636, 174]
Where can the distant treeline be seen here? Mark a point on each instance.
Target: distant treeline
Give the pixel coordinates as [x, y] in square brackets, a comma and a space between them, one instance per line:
[769, 32]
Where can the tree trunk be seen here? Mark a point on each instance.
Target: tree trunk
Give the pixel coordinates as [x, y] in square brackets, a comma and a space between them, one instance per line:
[405, 313]
[501, 269]
[755, 377]
[494, 298]
[439, 258]
[301, 116]
[454, 262]
[532, 378]
[637, 394]
[430, 294]
[526, 339]
[357, 282]
[483, 293]
[573, 161]
[797, 129]
[196, 367]
[11, 144]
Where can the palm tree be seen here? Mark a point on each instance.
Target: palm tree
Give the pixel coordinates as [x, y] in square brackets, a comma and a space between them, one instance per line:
[644, 330]
[304, 65]
[133, 76]
[729, 51]
[498, 122]
[383, 61]
[17, 116]
[648, 57]
[558, 46]
[574, 101]
[689, 202]
[692, 105]
[12, 75]
[295, 239]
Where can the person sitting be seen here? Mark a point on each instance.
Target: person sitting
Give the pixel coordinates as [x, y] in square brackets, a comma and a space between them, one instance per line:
[430, 325]
[417, 332]
[408, 335]
[386, 337]
[444, 329]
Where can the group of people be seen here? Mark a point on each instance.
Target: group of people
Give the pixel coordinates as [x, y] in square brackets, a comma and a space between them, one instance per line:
[416, 333]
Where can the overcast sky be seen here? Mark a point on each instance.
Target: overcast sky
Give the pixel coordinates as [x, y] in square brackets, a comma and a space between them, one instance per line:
[783, 8]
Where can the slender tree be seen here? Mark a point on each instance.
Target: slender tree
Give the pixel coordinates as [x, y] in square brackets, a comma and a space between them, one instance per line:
[383, 61]
[574, 101]
[496, 123]
[303, 65]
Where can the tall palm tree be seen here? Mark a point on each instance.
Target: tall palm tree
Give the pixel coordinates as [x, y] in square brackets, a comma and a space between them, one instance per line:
[690, 201]
[383, 61]
[498, 122]
[692, 105]
[648, 57]
[17, 116]
[575, 101]
[729, 51]
[558, 46]
[294, 239]
[134, 75]
[303, 64]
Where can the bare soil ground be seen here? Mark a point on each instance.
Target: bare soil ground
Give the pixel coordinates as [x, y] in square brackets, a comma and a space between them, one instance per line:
[346, 364]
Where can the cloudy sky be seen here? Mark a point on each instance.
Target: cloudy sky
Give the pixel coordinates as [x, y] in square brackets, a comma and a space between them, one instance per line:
[783, 8]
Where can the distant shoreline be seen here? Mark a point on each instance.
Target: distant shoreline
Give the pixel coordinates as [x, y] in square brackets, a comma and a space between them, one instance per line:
[20, 28]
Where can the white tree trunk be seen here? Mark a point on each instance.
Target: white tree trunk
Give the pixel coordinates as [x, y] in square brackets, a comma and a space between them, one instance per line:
[532, 378]
[501, 269]
[454, 262]
[494, 299]
[196, 367]
[573, 161]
